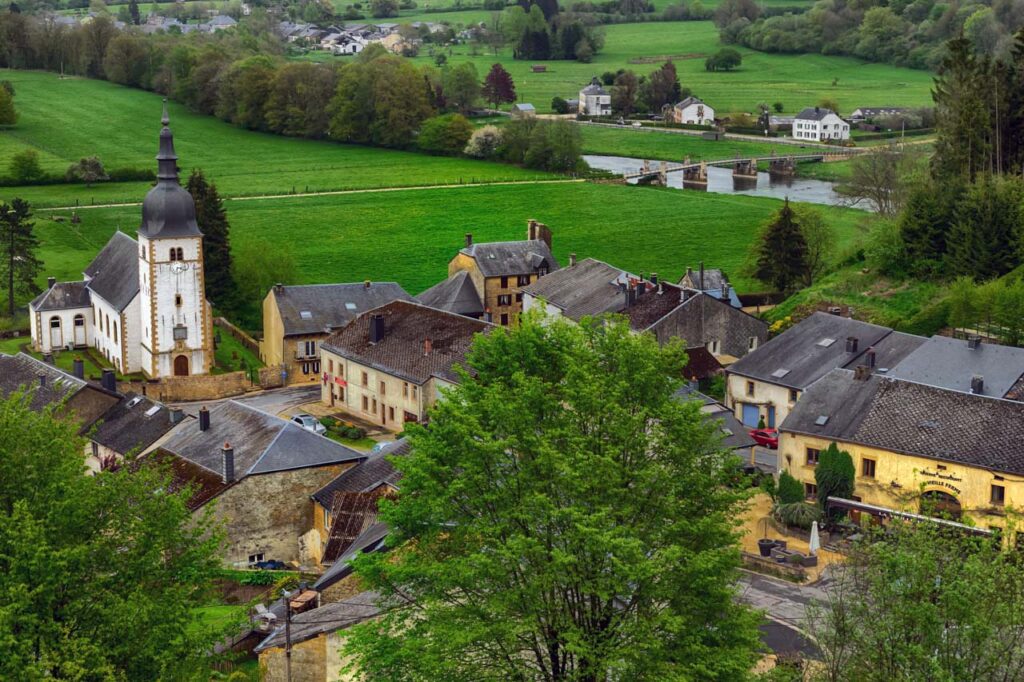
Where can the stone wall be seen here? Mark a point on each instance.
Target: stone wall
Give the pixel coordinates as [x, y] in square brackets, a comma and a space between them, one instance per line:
[309, 662]
[243, 338]
[203, 386]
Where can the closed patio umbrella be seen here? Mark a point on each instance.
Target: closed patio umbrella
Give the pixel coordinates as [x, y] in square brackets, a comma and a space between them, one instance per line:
[814, 544]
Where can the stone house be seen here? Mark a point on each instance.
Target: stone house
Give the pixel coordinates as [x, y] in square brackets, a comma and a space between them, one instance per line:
[768, 382]
[497, 272]
[260, 469]
[389, 365]
[693, 111]
[706, 323]
[595, 100]
[820, 125]
[915, 448]
[296, 319]
[711, 281]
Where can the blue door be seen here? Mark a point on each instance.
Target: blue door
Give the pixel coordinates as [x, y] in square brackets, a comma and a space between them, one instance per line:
[771, 417]
[751, 415]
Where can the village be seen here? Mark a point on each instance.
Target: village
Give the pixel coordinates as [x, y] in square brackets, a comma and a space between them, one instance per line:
[294, 472]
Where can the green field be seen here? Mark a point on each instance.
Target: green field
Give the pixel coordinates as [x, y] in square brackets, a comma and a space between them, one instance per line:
[409, 236]
[795, 80]
[120, 125]
[654, 144]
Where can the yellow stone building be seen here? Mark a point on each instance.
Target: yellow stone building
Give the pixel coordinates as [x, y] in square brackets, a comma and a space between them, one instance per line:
[915, 448]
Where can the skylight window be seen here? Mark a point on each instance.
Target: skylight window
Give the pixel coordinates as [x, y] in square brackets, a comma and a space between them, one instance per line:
[350, 306]
[306, 315]
[779, 373]
[821, 420]
[826, 342]
[153, 410]
[134, 401]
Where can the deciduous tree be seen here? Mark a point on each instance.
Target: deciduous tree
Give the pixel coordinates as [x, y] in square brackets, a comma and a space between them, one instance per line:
[563, 518]
[446, 134]
[499, 88]
[461, 85]
[25, 168]
[87, 170]
[8, 115]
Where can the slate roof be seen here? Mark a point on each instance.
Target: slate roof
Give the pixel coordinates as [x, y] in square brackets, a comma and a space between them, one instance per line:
[524, 257]
[798, 357]
[401, 352]
[330, 617]
[949, 363]
[457, 294]
[113, 274]
[594, 88]
[262, 443]
[911, 418]
[62, 296]
[688, 101]
[371, 540]
[735, 435]
[314, 308]
[351, 515]
[375, 471]
[889, 352]
[23, 371]
[813, 114]
[525, 106]
[132, 425]
[715, 282]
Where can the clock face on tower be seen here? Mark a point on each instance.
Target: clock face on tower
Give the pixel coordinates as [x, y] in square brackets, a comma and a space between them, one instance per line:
[178, 267]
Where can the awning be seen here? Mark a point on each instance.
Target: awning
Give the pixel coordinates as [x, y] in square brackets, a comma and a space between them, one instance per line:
[885, 512]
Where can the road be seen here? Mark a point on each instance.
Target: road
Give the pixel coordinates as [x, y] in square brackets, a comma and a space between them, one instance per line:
[274, 401]
[785, 604]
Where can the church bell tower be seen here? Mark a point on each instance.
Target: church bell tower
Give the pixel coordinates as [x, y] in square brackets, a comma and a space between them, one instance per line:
[176, 329]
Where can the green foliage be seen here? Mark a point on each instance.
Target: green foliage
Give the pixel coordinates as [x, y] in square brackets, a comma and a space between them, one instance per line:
[985, 239]
[834, 476]
[25, 168]
[955, 600]
[791, 490]
[995, 307]
[782, 252]
[133, 562]
[446, 134]
[19, 262]
[544, 145]
[8, 115]
[213, 222]
[797, 514]
[383, 9]
[88, 170]
[608, 492]
[257, 578]
[461, 87]
[725, 59]
[559, 106]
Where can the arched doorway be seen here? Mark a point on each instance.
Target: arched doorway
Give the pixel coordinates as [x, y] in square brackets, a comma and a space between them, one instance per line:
[940, 503]
[80, 330]
[181, 366]
[56, 335]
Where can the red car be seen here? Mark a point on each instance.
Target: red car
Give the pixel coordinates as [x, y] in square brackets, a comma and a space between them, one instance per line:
[766, 437]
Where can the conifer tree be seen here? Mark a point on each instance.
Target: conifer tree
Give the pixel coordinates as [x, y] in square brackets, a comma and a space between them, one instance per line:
[834, 475]
[963, 125]
[8, 116]
[213, 223]
[984, 241]
[782, 252]
[925, 223]
[133, 11]
[18, 245]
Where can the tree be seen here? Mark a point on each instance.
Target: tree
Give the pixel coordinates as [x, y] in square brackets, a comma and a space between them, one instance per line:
[25, 168]
[461, 85]
[555, 146]
[484, 142]
[133, 12]
[8, 116]
[725, 59]
[790, 490]
[984, 241]
[126, 61]
[729, 11]
[213, 222]
[446, 134]
[88, 170]
[834, 476]
[782, 252]
[18, 246]
[779, 107]
[962, 124]
[499, 88]
[563, 518]
[135, 563]
[914, 597]
[625, 90]
[661, 88]
[925, 222]
[881, 178]
[560, 105]
[382, 9]
[820, 237]
[440, 59]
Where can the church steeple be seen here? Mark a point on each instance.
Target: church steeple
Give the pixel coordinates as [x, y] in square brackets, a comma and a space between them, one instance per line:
[168, 211]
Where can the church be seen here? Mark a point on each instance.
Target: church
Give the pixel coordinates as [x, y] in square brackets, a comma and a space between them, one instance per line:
[142, 302]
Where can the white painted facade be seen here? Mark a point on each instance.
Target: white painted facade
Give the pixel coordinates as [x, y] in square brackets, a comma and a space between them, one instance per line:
[695, 113]
[54, 330]
[829, 127]
[594, 101]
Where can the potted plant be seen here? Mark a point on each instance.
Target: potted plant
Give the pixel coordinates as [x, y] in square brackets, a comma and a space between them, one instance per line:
[764, 545]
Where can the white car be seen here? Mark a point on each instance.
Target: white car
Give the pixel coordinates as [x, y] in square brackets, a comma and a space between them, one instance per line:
[310, 423]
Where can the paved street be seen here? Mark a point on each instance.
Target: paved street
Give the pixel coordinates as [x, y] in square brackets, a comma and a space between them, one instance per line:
[785, 605]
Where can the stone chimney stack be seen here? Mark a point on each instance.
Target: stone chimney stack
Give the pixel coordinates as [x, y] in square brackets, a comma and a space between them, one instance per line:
[469, 239]
[204, 419]
[228, 459]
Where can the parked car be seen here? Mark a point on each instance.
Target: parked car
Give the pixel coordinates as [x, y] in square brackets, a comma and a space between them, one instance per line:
[271, 565]
[769, 438]
[310, 423]
[381, 445]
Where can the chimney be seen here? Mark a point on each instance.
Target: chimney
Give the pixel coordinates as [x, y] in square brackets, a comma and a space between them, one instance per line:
[176, 415]
[531, 229]
[640, 289]
[851, 344]
[42, 380]
[974, 342]
[630, 296]
[725, 291]
[977, 385]
[78, 368]
[48, 358]
[228, 458]
[108, 381]
[469, 239]
[204, 419]
[861, 373]
[870, 357]
[427, 346]
[278, 288]
[376, 328]
[835, 310]
[50, 281]
[572, 259]
[689, 274]
[701, 281]
[654, 278]
[366, 284]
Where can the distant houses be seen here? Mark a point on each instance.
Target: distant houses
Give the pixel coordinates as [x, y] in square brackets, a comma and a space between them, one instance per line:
[693, 111]
[595, 100]
[818, 124]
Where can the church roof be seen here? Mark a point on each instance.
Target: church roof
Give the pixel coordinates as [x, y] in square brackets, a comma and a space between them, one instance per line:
[62, 296]
[113, 275]
[168, 210]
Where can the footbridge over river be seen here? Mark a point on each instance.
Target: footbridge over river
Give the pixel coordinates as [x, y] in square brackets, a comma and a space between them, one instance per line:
[696, 172]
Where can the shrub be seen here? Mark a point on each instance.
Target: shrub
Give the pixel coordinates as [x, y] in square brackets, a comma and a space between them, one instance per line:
[484, 142]
[797, 514]
[446, 134]
[834, 476]
[25, 168]
[778, 107]
[87, 170]
[258, 577]
[725, 59]
[132, 175]
[559, 105]
[790, 490]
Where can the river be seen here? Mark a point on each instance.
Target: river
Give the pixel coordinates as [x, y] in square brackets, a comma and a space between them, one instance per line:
[720, 181]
